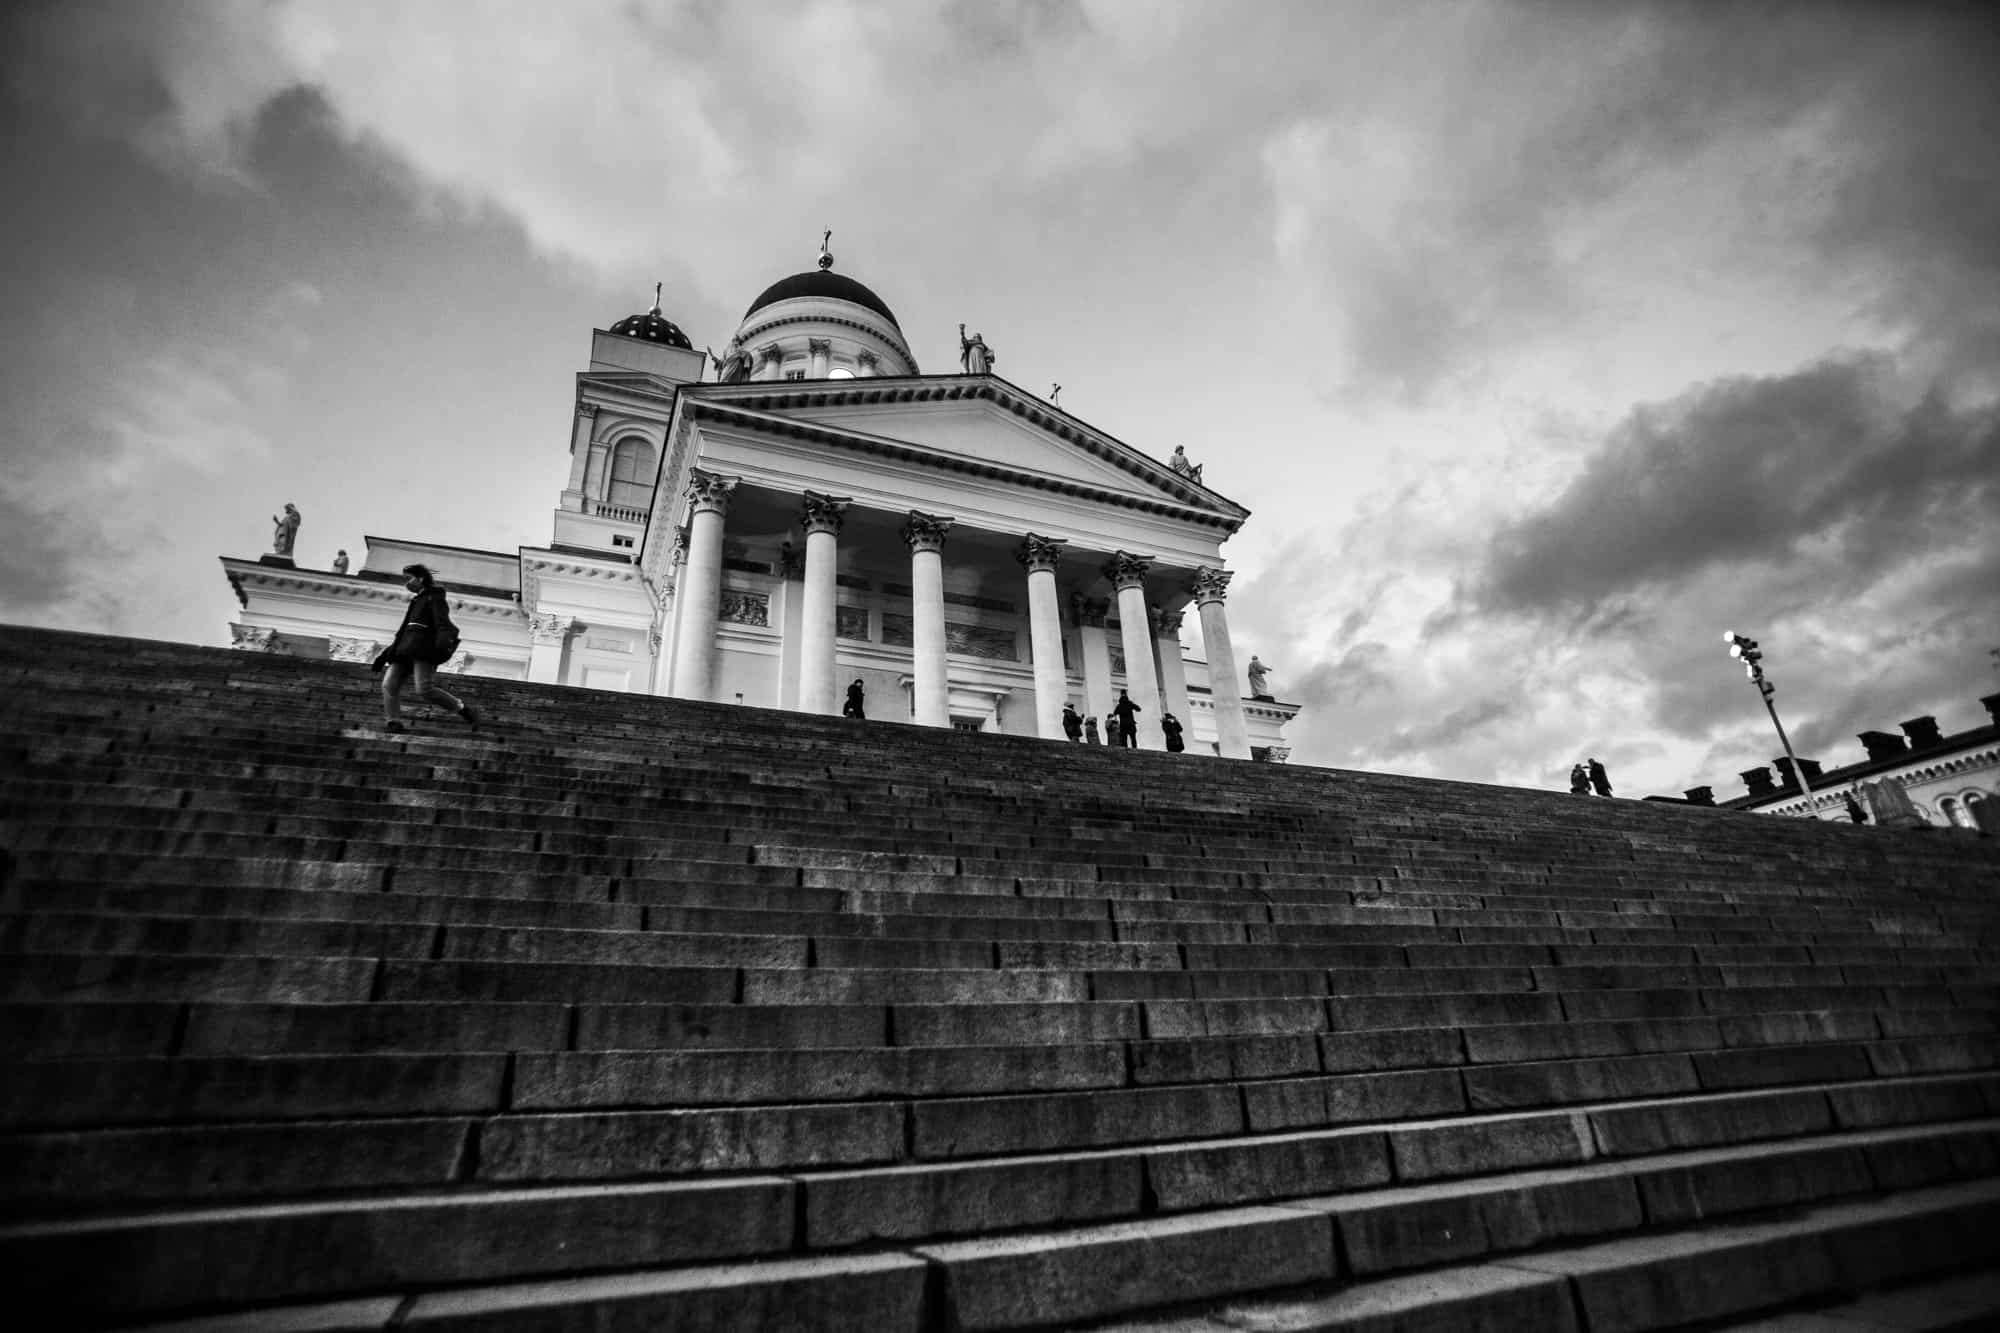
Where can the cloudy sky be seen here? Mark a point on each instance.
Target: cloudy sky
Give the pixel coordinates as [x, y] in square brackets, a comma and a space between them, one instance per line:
[1545, 340]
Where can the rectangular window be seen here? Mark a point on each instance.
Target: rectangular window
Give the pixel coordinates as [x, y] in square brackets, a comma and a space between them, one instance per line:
[621, 541]
[795, 374]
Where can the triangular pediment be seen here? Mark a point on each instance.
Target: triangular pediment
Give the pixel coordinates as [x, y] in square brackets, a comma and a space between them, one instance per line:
[985, 422]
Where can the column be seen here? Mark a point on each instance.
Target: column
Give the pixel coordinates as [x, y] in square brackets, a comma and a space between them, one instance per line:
[546, 636]
[700, 587]
[1090, 616]
[1038, 555]
[870, 365]
[1232, 729]
[822, 519]
[821, 352]
[932, 690]
[1127, 573]
[677, 577]
[1173, 667]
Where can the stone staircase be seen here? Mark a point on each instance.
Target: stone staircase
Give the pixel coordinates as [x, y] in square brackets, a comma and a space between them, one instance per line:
[636, 1013]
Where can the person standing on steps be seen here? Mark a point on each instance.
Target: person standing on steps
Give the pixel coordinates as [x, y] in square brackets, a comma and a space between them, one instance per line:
[1090, 736]
[1599, 779]
[1579, 781]
[854, 707]
[1072, 723]
[1854, 811]
[1111, 731]
[1171, 725]
[426, 638]
[1128, 726]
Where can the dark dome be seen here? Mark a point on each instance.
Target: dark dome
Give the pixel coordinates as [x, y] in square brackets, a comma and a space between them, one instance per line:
[654, 328]
[822, 282]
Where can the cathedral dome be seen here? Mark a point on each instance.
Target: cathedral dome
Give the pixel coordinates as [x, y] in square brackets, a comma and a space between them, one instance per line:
[826, 285]
[652, 326]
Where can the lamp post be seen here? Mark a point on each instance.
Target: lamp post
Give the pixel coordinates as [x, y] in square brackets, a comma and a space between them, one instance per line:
[1746, 650]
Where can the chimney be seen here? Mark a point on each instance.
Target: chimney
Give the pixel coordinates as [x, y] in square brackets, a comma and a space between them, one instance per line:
[1992, 702]
[1700, 795]
[1923, 732]
[1810, 768]
[1758, 780]
[1885, 744]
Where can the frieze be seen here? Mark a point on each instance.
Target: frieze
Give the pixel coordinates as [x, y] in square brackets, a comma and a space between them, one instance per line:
[993, 642]
[744, 608]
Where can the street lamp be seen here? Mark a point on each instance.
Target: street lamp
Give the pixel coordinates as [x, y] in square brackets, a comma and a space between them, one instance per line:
[1745, 650]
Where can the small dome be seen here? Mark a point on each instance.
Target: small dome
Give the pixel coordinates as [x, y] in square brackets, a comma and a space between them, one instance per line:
[823, 282]
[653, 327]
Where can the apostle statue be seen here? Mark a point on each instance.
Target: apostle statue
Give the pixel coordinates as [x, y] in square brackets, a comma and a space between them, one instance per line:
[1180, 465]
[1260, 685]
[285, 531]
[974, 354]
[340, 562]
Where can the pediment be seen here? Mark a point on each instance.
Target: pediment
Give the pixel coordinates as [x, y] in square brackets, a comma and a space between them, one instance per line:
[993, 426]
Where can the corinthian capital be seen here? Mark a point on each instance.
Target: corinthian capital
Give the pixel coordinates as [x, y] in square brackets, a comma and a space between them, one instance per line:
[708, 493]
[824, 513]
[1210, 584]
[254, 639]
[1165, 622]
[550, 629]
[351, 650]
[819, 346]
[1089, 612]
[925, 532]
[1126, 570]
[1038, 554]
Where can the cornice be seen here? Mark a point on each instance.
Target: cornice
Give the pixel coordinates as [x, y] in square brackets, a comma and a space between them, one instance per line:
[903, 451]
[749, 332]
[549, 562]
[247, 574]
[1001, 393]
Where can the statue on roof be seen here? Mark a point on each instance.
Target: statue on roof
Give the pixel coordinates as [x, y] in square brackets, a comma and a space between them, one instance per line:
[1180, 465]
[285, 530]
[826, 255]
[1055, 394]
[974, 354]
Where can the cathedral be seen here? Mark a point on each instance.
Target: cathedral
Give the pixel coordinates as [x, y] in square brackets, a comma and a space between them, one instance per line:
[808, 511]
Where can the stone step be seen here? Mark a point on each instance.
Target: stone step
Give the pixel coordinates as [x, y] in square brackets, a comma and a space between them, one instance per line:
[1967, 1304]
[418, 1241]
[1653, 1282]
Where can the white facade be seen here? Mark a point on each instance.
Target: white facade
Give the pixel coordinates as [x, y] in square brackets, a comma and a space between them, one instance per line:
[973, 555]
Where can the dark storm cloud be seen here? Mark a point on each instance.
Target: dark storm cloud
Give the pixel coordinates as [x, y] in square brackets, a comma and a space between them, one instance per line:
[1823, 465]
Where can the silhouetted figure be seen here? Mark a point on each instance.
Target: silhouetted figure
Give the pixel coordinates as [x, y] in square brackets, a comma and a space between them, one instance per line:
[1579, 781]
[1128, 727]
[854, 706]
[1854, 810]
[1072, 723]
[340, 562]
[1111, 731]
[1599, 780]
[426, 638]
[1090, 736]
[1171, 725]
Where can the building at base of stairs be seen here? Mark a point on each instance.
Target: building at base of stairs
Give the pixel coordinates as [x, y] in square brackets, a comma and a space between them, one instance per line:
[809, 510]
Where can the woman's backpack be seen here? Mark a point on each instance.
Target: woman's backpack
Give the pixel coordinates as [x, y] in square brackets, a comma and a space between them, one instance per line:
[445, 637]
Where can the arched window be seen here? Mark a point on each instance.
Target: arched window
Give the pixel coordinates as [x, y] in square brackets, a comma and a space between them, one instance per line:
[1967, 815]
[632, 464]
[1949, 809]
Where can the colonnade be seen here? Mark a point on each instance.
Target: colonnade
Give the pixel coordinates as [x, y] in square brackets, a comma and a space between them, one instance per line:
[1155, 676]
